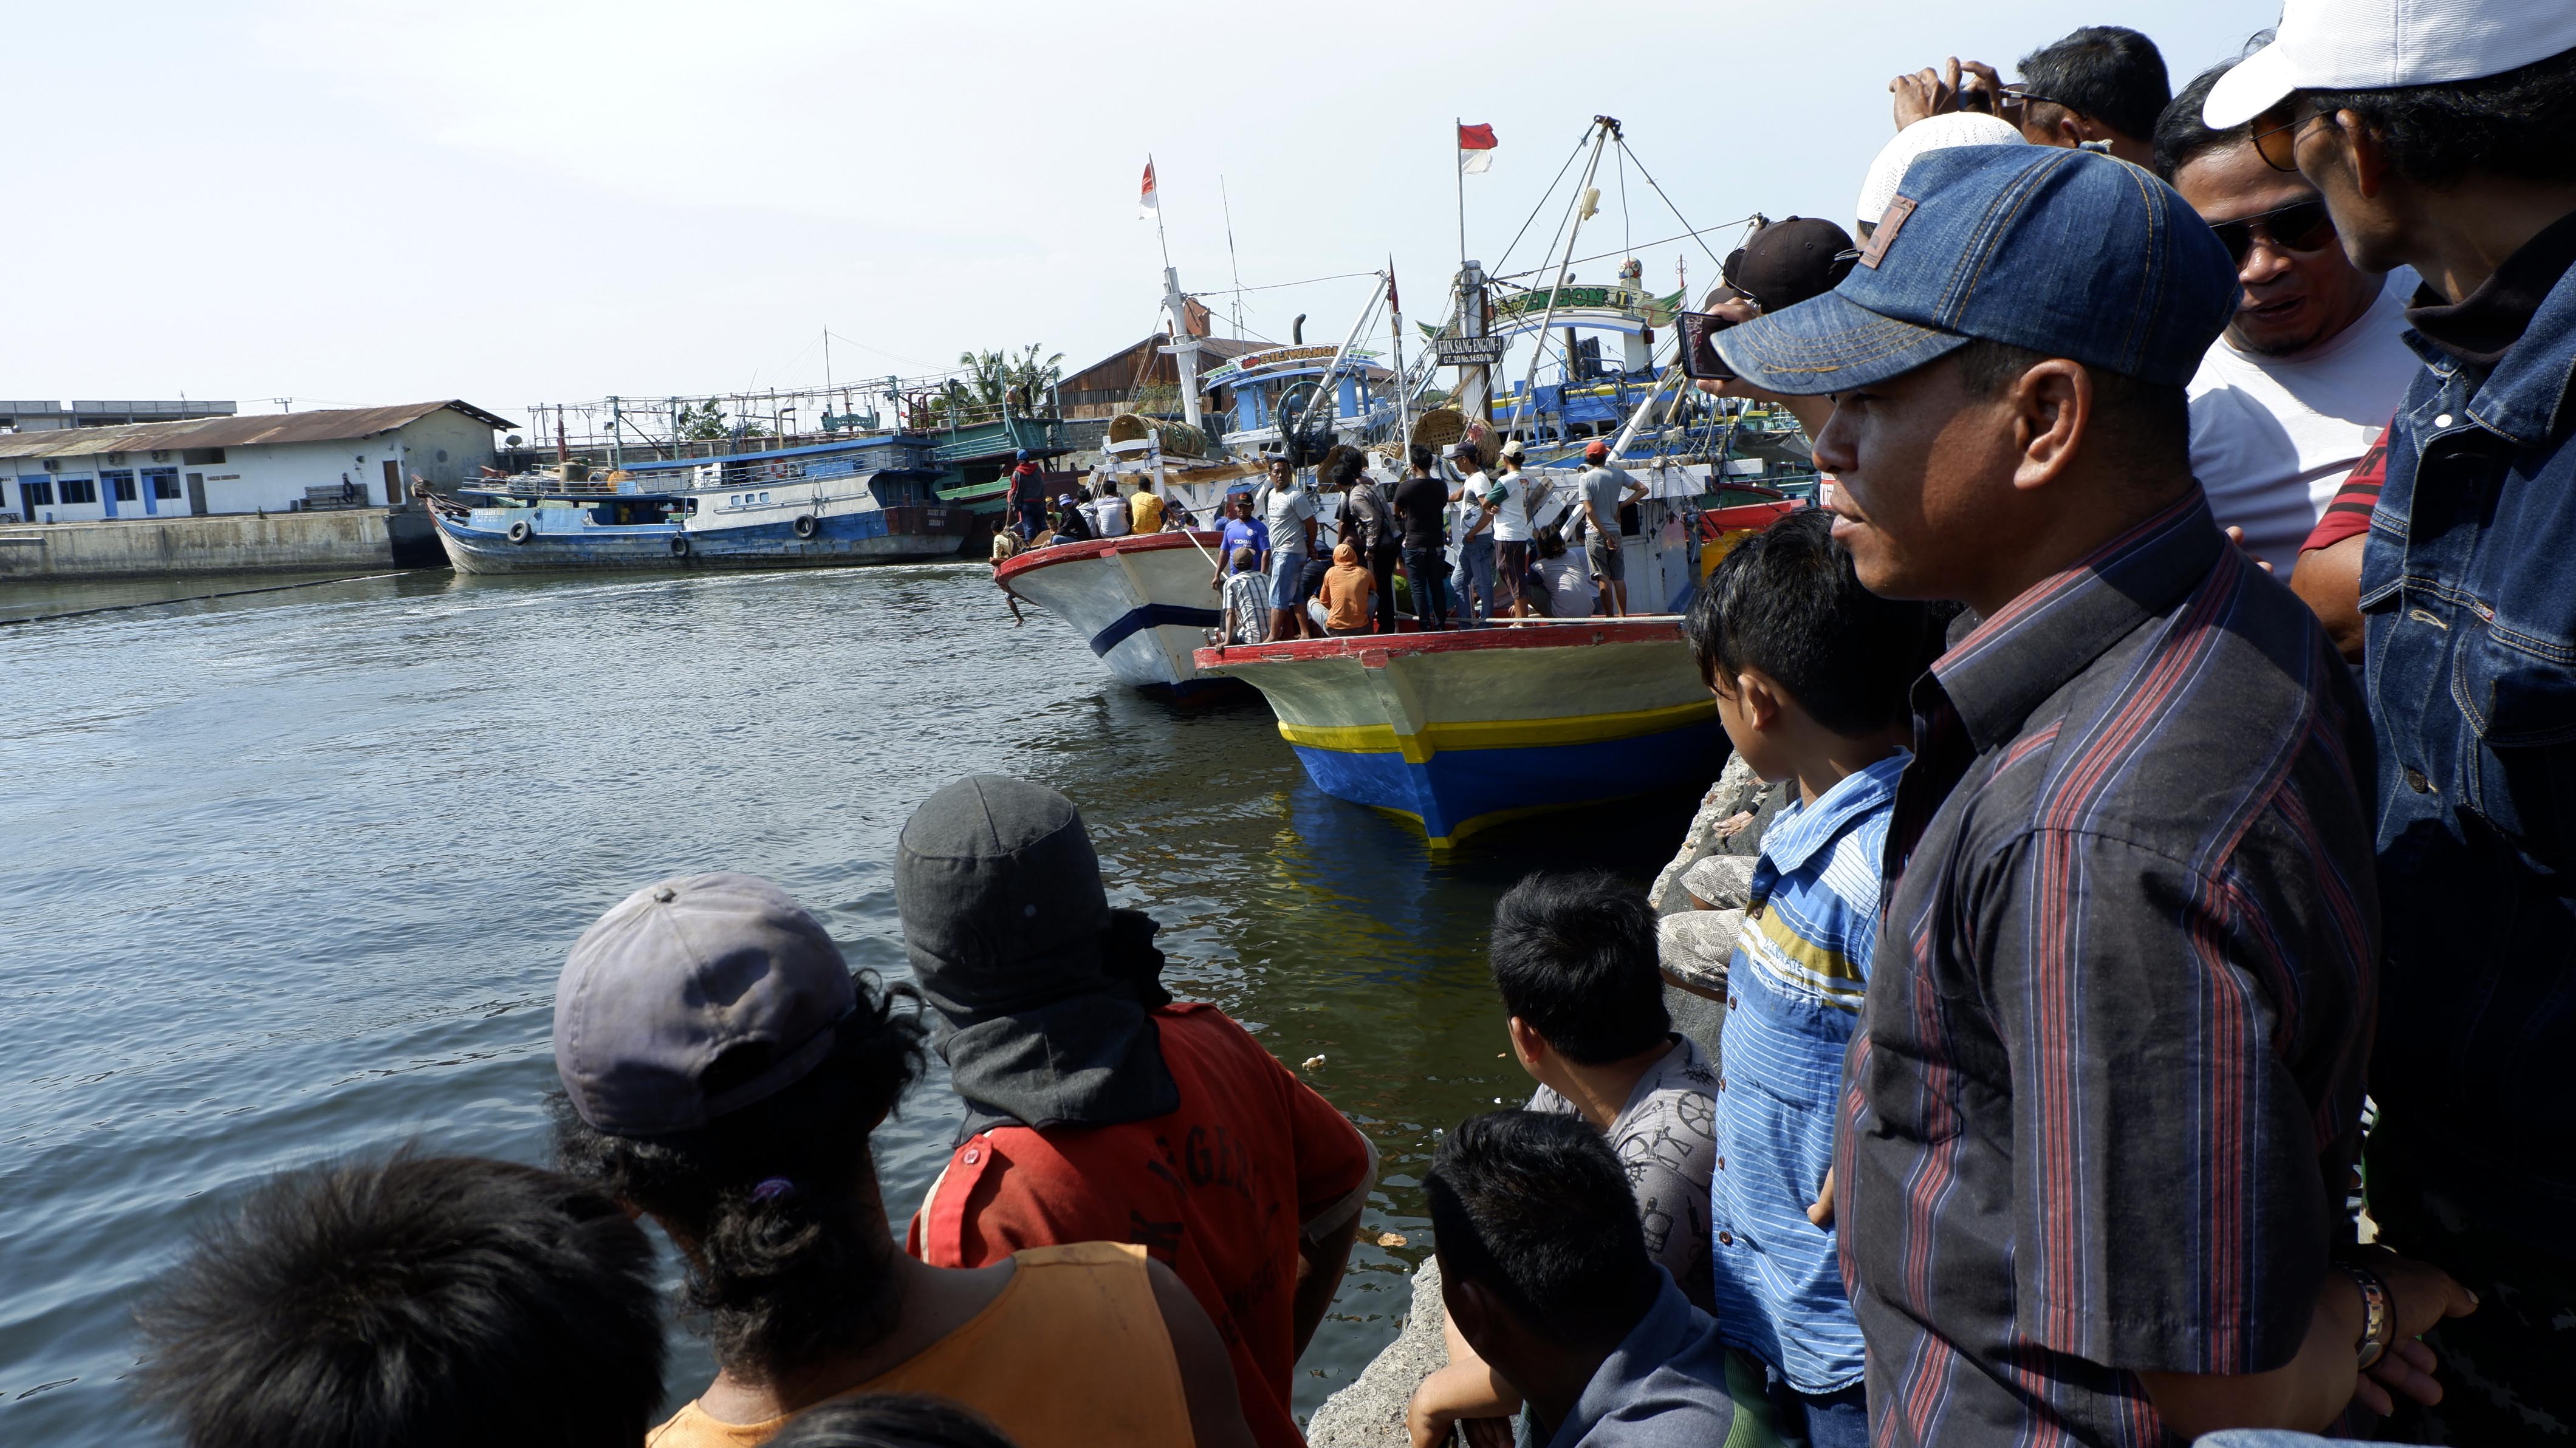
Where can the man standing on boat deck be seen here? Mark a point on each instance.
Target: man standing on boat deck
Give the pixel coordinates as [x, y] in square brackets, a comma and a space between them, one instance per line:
[1290, 514]
[1028, 497]
[1604, 490]
[1475, 576]
[1507, 497]
[2104, 1102]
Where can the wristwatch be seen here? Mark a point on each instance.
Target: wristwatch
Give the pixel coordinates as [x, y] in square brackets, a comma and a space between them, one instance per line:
[2378, 1323]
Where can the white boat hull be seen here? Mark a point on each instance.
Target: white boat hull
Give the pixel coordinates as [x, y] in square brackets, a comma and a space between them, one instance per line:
[1141, 602]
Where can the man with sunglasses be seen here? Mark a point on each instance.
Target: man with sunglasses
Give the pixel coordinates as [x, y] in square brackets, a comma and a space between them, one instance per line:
[2310, 367]
[2438, 133]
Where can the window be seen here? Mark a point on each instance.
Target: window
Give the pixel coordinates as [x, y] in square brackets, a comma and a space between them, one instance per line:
[165, 482]
[79, 490]
[764, 497]
[120, 486]
[200, 456]
[36, 492]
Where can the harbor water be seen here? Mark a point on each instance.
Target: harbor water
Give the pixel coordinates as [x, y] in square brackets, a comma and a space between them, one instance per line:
[287, 876]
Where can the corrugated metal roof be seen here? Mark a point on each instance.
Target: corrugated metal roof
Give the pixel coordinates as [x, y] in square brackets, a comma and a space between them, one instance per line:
[328, 425]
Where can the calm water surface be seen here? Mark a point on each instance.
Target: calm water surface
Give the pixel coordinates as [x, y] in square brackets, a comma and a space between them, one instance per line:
[290, 875]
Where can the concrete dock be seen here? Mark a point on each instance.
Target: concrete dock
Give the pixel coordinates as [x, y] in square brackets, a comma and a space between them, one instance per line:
[339, 540]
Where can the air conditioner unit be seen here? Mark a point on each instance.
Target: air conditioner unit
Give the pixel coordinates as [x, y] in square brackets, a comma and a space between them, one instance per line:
[116, 457]
[53, 465]
[160, 454]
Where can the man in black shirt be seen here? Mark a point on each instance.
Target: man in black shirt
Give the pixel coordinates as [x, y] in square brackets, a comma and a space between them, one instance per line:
[1422, 507]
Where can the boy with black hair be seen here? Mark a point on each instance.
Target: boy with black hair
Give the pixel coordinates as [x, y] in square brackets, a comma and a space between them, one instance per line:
[1574, 958]
[1544, 1272]
[417, 1300]
[1811, 673]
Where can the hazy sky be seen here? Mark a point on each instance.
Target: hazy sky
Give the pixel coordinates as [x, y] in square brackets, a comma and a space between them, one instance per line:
[542, 201]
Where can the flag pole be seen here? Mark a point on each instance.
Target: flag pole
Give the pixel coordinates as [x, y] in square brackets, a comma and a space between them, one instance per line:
[1460, 165]
[1158, 214]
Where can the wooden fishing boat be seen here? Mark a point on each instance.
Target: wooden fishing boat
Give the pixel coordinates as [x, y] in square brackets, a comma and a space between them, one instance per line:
[1459, 731]
[1142, 602]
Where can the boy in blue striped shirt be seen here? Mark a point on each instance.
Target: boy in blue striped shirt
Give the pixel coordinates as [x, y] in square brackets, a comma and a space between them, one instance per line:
[1811, 673]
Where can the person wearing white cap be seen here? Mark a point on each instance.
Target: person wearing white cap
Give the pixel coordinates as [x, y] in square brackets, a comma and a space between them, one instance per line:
[1939, 133]
[2438, 132]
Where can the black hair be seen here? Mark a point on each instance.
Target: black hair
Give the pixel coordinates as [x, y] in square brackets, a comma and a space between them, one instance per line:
[891, 1420]
[1422, 458]
[2108, 72]
[1536, 1209]
[1574, 957]
[2149, 422]
[2182, 136]
[418, 1300]
[1787, 601]
[1348, 466]
[787, 1264]
[2512, 124]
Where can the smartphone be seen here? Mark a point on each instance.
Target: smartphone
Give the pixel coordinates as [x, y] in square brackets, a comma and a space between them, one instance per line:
[1700, 361]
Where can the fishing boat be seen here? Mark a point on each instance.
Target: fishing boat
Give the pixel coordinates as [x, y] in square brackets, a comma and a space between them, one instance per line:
[867, 500]
[1141, 602]
[1460, 731]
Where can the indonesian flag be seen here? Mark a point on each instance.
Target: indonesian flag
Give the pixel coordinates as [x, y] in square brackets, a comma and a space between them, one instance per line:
[1147, 202]
[1475, 149]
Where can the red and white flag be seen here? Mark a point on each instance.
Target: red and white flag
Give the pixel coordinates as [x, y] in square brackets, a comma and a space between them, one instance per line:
[1147, 202]
[1475, 149]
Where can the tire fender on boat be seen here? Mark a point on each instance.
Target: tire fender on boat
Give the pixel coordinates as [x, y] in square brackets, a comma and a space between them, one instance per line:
[805, 525]
[679, 545]
[519, 531]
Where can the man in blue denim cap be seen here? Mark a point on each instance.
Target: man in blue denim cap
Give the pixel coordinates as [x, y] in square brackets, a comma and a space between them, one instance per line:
[2103, 1106]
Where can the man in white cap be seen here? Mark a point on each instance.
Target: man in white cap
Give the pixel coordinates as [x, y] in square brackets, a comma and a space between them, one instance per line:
[2438, 133]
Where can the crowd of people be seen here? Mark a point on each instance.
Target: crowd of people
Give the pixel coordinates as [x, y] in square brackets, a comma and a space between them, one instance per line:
[2141, 1017]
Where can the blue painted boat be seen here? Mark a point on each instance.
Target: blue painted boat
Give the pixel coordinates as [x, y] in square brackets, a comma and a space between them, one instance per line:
[831, 505]
[1459, 731]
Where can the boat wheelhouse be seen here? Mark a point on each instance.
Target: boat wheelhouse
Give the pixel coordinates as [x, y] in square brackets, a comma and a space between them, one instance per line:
[1276, 391]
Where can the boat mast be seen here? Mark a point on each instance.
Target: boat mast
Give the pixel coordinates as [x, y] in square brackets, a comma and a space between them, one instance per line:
[1184, 350]
[1605, 128]
[1395, 329]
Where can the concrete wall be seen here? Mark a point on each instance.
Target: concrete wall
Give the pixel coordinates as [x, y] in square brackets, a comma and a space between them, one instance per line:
[354, 539]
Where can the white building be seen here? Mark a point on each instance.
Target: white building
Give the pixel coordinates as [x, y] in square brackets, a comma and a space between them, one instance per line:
[272, 463]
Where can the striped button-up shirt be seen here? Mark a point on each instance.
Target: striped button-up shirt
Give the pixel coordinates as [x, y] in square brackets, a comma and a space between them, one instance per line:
[2106, 1094]
[1794, 996]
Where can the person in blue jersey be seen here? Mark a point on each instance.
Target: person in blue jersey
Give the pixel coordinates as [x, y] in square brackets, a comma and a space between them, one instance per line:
[1811, 672]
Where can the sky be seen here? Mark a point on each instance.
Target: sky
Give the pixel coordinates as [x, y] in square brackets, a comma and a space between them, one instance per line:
[538, 201]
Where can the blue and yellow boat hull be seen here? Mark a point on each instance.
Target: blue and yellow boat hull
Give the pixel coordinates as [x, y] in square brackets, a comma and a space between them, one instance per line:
[1460, 731]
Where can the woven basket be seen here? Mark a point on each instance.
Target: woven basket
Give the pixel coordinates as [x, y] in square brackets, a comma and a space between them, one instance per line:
[1442, 427]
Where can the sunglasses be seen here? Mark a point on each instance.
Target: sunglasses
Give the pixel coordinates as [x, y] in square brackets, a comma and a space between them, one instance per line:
[2276, 134]
[2299, 226]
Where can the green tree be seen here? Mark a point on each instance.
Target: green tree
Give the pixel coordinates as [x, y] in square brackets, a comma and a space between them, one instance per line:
[703, 422]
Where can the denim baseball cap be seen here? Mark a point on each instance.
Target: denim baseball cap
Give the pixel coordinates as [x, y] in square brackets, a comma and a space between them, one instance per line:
[681, 975]
[2065, 252]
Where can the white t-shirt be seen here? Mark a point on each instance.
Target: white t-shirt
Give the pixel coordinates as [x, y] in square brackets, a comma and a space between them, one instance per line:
[1511, 520]
[2272, 438]
[1288, 510]
[1571, 591]
[1470, 507]
[1109, 516]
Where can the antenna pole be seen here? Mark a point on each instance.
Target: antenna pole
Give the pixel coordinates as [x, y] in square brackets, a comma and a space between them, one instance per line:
[1230, 260]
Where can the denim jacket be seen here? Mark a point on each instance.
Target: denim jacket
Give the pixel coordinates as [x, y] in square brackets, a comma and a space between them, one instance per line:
[2468, 587]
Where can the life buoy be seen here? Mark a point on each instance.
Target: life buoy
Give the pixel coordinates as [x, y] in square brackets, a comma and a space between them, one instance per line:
[806, 527]
[519, 531]
[679, 545]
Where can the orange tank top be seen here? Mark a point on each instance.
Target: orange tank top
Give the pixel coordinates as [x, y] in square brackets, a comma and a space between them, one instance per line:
[1072, 1354]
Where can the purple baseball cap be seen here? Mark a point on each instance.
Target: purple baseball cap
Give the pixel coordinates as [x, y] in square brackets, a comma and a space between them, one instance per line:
[680, 975]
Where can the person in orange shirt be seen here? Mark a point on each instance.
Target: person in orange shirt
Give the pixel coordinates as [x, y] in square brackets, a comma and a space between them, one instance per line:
[1347, 593]
[1100, 1108]
[722, 1071]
